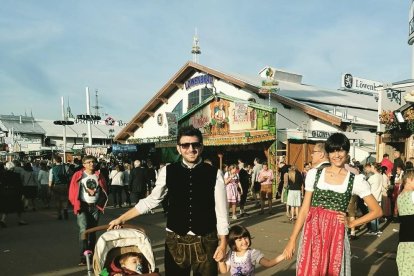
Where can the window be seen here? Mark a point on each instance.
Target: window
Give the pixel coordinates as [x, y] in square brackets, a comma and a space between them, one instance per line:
[193, 99]
[178, 109]
[205, 93]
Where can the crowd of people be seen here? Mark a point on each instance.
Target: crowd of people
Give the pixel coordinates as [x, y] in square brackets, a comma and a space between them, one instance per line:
[328, 201]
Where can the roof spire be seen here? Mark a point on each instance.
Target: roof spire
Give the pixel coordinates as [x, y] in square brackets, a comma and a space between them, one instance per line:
[196, 50]
[69, 114]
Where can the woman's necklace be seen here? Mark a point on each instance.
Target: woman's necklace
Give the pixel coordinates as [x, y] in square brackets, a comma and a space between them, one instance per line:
[332, 173]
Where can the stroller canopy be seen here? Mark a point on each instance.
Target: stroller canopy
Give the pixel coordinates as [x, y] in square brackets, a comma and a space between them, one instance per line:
[122, 238]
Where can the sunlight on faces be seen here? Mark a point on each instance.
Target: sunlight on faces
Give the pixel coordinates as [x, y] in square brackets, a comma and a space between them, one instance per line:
[338, 157]
[131, 263]
[316, 156]
[192, 153]
[242, 243]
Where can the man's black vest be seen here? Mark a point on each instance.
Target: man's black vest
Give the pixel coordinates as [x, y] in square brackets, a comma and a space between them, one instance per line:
[191, 198]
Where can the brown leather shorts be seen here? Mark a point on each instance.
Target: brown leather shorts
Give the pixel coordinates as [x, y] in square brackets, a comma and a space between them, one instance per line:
[266, 191]
[189, 250]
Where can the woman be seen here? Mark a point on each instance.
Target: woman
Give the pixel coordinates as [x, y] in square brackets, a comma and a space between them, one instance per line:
[385, 201]
[117, 182]
[11, 191]
[232, 188]
[405, 201]
[396, 191]
[127, 172]
[295, 184]
[324, 245]
[43, 179]
[29, 186]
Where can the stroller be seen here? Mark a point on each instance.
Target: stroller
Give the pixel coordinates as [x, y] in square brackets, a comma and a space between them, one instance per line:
[113, 244]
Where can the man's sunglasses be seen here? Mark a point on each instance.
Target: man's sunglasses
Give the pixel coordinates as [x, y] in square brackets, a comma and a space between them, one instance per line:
[196, 145]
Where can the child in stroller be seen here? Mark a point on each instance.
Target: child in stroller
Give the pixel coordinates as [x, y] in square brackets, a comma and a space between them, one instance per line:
[120, 252]
[131, 263]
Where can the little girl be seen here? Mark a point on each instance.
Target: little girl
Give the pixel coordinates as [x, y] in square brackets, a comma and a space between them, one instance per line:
[405, 202]
[233, 189]
[241, 259]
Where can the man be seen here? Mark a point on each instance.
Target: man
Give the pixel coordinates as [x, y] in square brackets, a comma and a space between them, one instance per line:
[197, 210]
[88, 195]
[255, 186]
[319, 156]
[58, 185]
[151, 174]
[398, 162]
[244, 182]
[138, 181]
[266, 180]
[387, 163]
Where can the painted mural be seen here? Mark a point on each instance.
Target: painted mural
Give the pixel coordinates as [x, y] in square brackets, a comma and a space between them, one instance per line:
[224, 117]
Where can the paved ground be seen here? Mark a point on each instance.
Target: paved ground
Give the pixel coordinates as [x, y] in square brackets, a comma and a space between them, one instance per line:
[49, 247]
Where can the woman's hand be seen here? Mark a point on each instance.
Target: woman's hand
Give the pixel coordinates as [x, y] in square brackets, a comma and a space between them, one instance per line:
[342, 218]
[289, 250]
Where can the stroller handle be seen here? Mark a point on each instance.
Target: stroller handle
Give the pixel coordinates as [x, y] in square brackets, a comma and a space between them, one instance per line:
[104, 227]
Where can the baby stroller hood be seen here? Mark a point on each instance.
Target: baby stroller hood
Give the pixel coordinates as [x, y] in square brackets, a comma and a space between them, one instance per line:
[122, 238]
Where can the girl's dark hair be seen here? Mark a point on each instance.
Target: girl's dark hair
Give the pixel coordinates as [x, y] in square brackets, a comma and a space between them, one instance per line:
[383, 169]
[336, 142]
[237, 232]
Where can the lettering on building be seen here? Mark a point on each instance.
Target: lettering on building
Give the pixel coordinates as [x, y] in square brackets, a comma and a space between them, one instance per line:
[198, 80]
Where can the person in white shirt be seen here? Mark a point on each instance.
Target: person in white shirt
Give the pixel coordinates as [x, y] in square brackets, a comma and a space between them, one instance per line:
[375, 182]
[197, 214]
[117, 185]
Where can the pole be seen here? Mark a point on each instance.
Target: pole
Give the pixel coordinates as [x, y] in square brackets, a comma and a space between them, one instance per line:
[64, 130]
[88, 112]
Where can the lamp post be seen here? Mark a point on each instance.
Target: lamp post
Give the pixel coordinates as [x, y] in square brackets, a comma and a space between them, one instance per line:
[64, 122]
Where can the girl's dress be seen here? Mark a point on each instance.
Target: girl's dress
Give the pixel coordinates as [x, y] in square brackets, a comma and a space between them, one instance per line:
[324, 247]
[405, 252]
[233, 194]
[243, 265]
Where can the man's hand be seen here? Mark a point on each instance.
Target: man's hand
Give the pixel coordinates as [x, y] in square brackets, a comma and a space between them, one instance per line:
[115, 224]
[220, 254]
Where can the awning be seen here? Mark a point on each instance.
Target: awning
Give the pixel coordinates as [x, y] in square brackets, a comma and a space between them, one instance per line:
[244, 138]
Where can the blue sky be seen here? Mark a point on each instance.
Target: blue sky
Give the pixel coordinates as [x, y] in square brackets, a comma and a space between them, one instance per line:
[128, 50]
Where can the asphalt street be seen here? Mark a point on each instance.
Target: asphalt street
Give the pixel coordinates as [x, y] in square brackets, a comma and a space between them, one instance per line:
[48, 246]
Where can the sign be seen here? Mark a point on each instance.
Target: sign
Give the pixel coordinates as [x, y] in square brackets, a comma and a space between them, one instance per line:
[110, 121]
[202, 79]
[240, 112]
[172, 123]
[160, 119]
[320, 134]
[350, 82]
[124, 148]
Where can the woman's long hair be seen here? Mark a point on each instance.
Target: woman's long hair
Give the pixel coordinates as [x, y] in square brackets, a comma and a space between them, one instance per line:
[292, 174]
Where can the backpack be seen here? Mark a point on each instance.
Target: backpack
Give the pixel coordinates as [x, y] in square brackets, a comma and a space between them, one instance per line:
[60, 176]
